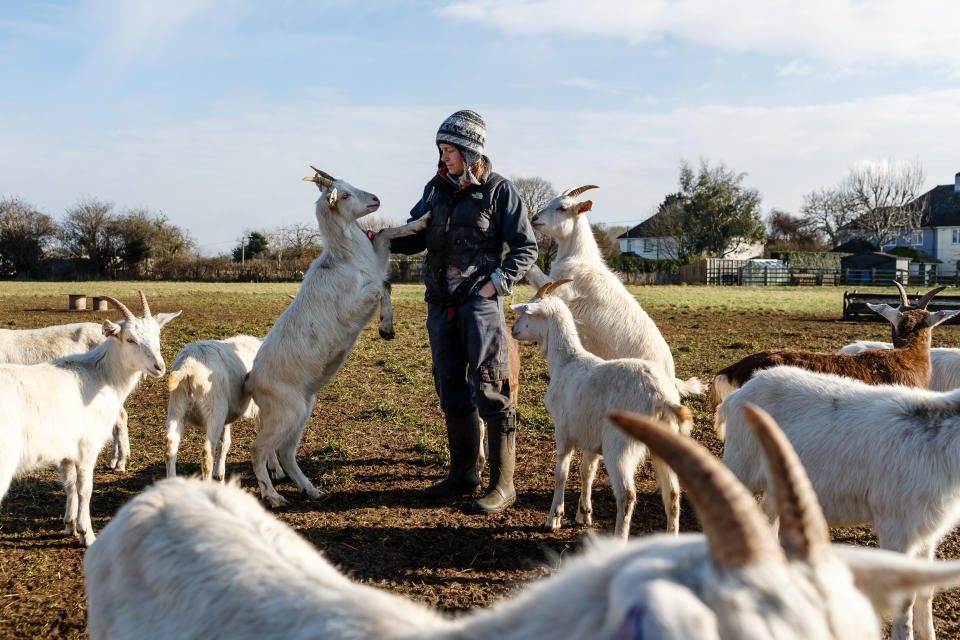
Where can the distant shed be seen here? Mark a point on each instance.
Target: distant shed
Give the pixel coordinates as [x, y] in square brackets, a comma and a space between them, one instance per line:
[762, 272]
[875, 267]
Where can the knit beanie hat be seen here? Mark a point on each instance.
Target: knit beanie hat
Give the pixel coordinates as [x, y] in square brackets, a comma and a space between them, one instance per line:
[466, 131]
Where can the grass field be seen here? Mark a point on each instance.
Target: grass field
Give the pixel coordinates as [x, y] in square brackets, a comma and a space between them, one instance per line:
[376, 438]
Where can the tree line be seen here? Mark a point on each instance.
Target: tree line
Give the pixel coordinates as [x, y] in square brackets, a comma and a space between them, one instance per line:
[711, 213]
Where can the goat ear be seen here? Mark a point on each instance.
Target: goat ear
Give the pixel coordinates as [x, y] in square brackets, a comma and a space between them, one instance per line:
[332, 197]
[889, 313]
[584, 206]
[111, 329]
[164, 318]
[888, 578]
[937, 317]
[519, 308]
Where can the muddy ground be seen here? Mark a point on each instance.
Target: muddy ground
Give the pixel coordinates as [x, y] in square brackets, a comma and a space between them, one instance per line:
[375, 439]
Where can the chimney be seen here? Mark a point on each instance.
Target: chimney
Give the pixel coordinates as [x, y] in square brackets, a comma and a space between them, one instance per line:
[956, 183]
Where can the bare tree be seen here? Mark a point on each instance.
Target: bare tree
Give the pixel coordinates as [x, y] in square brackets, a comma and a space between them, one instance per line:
[85, 234]
[785, 231]
[884, 194]
[875, 202]
[830, 212]
[535, 192]
[302, 241]
[24, 234]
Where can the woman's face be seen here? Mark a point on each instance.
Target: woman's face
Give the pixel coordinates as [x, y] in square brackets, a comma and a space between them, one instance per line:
[451, 158]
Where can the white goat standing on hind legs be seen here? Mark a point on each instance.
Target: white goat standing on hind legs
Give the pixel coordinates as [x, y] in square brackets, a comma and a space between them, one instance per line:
[61, 413]
[610, 321]
[312, 338]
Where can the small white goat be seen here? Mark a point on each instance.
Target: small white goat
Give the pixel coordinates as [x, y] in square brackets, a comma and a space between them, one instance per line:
[584, 386]
[33, 346]
[312, 338]
[944, 361]
[206, 389]
[190, 559]
[62, 412]
[611, 322]
[887, 455]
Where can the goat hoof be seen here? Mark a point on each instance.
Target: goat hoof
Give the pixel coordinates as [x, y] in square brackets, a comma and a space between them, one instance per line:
[88, 539]
[387, 335]
[276, 501]
[315, 494]
[552, 525]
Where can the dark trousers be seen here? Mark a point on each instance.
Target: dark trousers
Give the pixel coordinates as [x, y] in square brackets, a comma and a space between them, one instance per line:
[470, 366]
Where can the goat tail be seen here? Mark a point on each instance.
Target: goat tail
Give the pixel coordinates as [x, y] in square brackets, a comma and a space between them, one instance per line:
[721, 387]
[691, 387]
[681, 413]
[720, 422]
[173, 380]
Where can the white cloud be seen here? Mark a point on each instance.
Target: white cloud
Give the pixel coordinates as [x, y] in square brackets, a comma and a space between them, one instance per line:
[795, 68]
[240, 168]
[841, 32]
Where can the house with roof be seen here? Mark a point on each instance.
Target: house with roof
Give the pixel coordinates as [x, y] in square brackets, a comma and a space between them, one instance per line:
[939, 234]
[643, 241]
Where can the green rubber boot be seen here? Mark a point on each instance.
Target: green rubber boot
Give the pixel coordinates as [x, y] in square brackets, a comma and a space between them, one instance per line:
[463, 436]
[500, 493]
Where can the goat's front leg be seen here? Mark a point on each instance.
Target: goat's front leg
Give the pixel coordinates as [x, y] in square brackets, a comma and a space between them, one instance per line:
[121, 443]
[385, 235]
[536, 277]
[565, 452]
[386, 313]
[85, 491]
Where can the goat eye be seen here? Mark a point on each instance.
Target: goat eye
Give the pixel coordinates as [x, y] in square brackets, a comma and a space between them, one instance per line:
[131, 341]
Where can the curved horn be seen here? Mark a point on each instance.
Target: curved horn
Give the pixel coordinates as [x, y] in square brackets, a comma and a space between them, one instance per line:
[573, 193]
[127, 314]
[803, 527]
[737, 532]
[928, 296]
[553, 286]
[904, 301]
[543, 291]
[143, 303]
[323, 174]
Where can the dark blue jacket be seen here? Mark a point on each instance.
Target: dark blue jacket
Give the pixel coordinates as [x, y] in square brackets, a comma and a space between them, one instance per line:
[467, 231]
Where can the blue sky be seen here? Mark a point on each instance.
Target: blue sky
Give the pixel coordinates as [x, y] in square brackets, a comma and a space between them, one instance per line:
[210, 111]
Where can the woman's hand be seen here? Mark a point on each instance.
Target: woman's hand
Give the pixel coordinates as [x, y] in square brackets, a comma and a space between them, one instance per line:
[488, 290]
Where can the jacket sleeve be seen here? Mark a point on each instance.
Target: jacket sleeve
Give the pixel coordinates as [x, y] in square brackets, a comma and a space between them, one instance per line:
[518, 235]
[417, 242]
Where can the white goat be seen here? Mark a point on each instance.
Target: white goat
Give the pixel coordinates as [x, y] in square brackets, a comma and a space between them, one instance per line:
[887, 455]
[62, 412]
[584, 386]
[189, 559]
[611, 322]
[33, 346]
[312, 338]
[206, 389]
[945, 362]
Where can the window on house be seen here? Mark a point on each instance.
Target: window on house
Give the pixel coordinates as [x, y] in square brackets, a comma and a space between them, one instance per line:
[649, 245]
[916, 238]
[955, 236]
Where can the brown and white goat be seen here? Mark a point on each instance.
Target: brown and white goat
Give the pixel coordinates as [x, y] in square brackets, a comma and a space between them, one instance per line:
[908, 363]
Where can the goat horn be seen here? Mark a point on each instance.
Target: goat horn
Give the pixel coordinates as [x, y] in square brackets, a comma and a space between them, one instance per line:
[543, 291]
[737, 532]
[803, 527]
[143, 303]
[122, 307]
[928, 296]
[553, 286]
[904, 301]
[323, 174]
[573, 193]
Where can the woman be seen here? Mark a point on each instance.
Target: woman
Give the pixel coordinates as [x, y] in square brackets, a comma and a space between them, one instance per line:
[474, 212]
